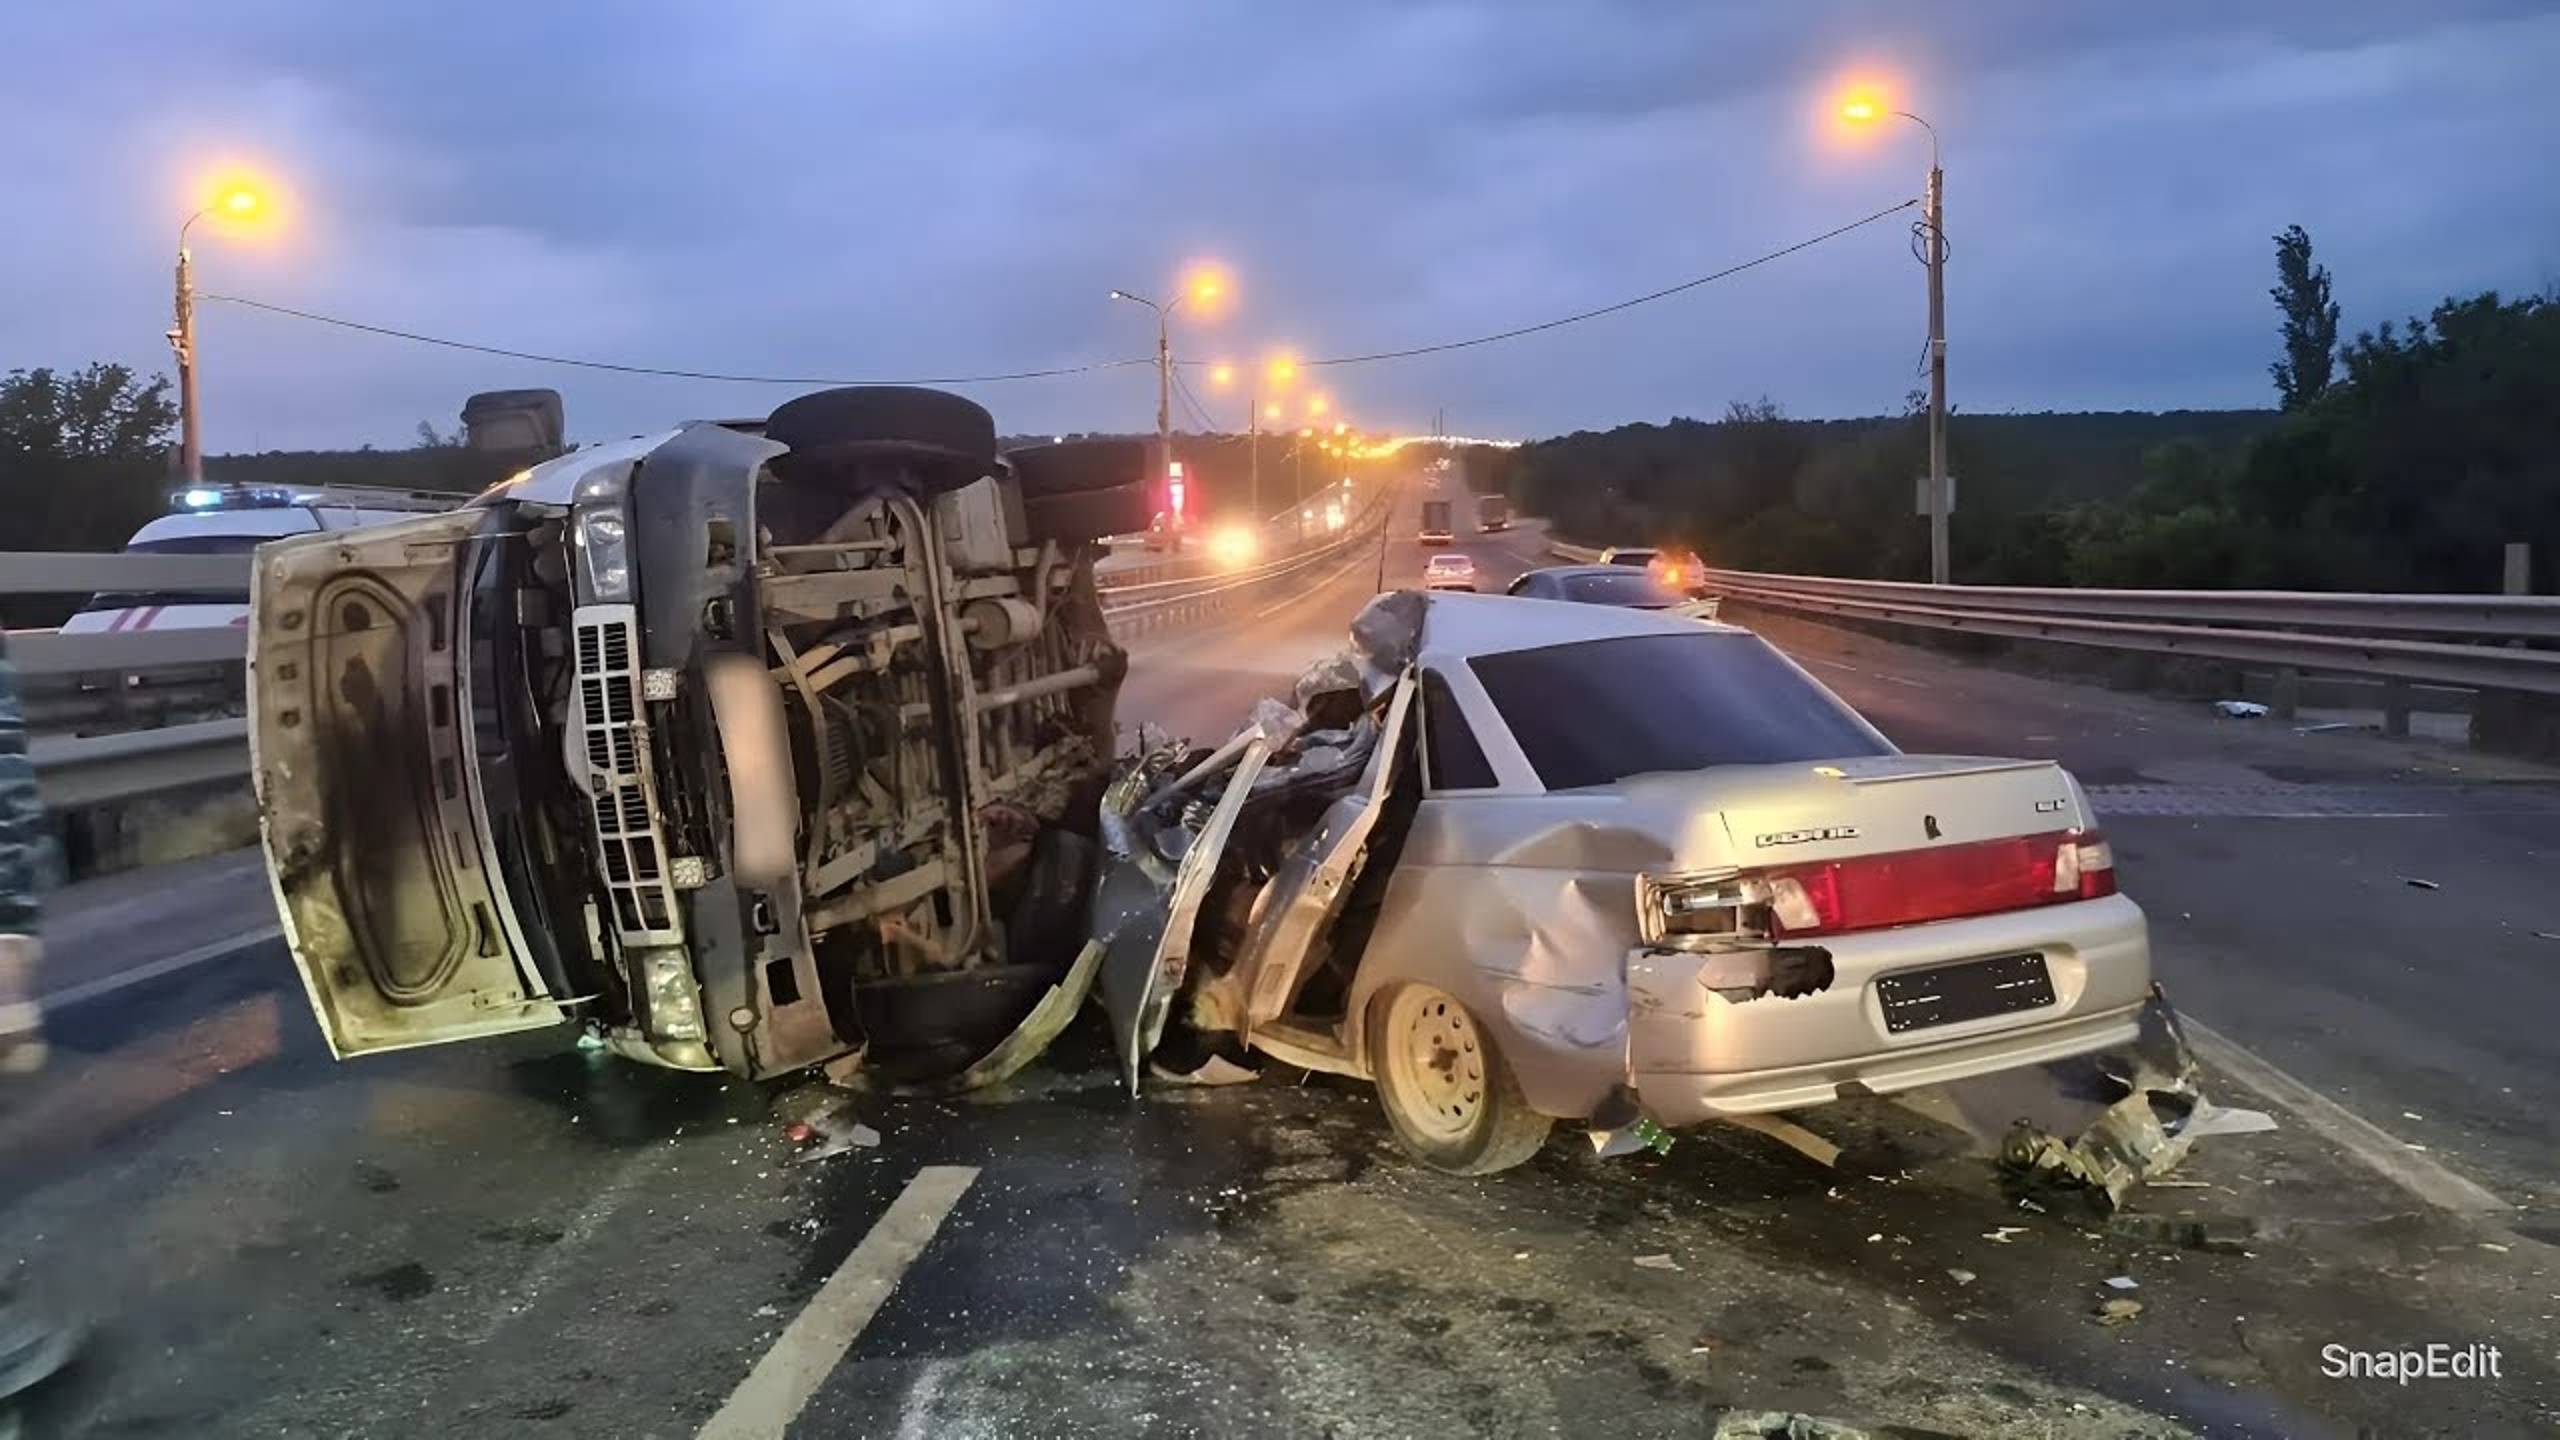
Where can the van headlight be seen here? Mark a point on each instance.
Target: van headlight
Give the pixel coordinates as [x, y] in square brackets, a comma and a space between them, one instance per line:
[603, 538]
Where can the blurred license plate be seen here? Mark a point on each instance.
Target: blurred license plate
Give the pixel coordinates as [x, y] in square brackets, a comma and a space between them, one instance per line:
[1974, 990]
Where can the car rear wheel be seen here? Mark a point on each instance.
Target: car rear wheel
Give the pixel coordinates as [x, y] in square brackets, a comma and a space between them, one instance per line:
[1449, 1096]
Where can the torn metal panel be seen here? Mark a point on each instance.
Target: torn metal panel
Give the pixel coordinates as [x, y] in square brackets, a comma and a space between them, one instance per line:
[1140, 981]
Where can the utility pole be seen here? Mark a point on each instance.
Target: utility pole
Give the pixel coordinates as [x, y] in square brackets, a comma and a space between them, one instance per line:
[1936, 240]
[182, 340]
[1253, 446]
[1164, 406]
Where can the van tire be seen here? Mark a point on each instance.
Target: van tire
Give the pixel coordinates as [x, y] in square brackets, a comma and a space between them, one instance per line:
[1081, 517]
[952, 438]
[1072, 467]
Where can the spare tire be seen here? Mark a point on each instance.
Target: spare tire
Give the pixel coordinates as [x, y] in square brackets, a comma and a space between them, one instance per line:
[948, 439]
[1071, 467]
[1082, 517]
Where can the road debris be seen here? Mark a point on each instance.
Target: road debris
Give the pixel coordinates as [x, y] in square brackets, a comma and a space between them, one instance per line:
[2209, 1119]
[1643, 1134]
[1961, 1277]
[2219, 1235]
[1656, 1262]
[2493, 1245]
[2127, 1145]
[1781, 1425]
[835, 1130]
[2002, 1234]
[1792, 1135]
[2414, 883]
[1216, 1070]
[2141, 1137]
[2123, 1282]
[2240, 709]
[2118, 1312]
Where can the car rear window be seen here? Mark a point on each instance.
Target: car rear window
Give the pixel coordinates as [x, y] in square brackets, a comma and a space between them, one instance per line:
[1619, 587]
[1632, 557]
[1643, 703]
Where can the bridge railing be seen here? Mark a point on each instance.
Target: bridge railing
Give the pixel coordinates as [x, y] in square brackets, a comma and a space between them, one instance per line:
[2480, 642]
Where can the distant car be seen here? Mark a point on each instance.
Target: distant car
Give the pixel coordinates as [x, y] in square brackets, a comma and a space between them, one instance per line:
[234, 520]
[1676, 569]
[1520, 862]
[1449, 572]
[1602, 584]
[1609, 585]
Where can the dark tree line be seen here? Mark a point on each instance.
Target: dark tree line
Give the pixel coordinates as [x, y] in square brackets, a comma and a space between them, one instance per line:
[2404, 459]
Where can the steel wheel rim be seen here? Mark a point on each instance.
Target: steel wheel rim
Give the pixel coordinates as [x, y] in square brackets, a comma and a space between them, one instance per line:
[1438, 1058]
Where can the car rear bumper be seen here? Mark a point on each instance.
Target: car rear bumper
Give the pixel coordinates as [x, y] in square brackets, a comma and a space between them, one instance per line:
[1693, 1054]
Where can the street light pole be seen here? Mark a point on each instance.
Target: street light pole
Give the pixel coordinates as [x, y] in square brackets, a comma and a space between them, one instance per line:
[1164, 383]
[182, 340]
[240, 202]
[1940, 502]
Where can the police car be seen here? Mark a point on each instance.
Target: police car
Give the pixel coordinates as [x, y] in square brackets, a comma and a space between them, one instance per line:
[234, 520]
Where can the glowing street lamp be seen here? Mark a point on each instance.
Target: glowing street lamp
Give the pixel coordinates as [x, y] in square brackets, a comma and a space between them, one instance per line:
[1204, 287]
[234, 200]
[1863, 109]
[1275, 374]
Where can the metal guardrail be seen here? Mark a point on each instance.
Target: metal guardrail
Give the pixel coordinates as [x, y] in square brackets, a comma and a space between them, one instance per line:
[2489, 646]
[77, 770]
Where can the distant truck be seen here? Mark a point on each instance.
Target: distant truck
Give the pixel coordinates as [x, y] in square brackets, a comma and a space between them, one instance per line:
[1435, 523]
[1493, 512]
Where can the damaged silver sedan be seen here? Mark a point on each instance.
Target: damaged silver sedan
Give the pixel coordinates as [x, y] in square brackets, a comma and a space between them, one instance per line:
[1519, 861]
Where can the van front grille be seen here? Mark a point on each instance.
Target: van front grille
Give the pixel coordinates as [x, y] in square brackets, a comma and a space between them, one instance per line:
[629, 840]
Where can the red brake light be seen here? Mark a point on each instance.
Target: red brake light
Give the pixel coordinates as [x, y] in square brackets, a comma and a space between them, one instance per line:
[1948, 882]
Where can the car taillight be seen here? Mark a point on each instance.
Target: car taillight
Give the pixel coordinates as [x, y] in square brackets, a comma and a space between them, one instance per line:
[1876, 892]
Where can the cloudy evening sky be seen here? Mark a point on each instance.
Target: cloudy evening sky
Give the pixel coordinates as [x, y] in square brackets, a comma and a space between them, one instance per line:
[884, 188]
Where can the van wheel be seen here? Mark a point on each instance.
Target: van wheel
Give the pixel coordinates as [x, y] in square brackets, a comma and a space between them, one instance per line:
[947, 439]
[1080, 517]
[1448, 1093]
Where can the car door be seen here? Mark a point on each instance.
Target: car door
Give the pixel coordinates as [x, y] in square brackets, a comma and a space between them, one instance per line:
[1307, 893]
[369, 798]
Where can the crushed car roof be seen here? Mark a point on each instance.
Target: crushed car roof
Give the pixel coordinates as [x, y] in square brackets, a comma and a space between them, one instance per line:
[1458, 625]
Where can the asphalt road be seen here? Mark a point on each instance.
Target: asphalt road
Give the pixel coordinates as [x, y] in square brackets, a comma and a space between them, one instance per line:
[517, 1238]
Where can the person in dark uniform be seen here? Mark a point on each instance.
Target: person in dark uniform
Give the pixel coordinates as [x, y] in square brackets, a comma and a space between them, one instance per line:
[33, 1344]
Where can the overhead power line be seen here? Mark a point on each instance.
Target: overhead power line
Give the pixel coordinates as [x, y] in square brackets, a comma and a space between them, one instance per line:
[1054, 372]
[668, 371]
[1646, 299]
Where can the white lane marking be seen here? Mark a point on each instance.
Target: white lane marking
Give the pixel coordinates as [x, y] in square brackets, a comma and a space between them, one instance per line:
[2376, 1147]
[202, 954]
[1898, 680]
[771, 1396]
[1831, 664]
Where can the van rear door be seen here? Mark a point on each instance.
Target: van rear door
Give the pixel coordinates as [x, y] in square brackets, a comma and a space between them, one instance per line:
[369, 802]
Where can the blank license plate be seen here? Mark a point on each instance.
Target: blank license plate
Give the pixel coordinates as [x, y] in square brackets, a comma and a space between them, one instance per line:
[1916, 999]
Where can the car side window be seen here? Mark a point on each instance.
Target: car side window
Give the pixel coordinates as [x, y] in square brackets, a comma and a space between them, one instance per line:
[1452, 760]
